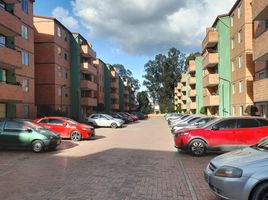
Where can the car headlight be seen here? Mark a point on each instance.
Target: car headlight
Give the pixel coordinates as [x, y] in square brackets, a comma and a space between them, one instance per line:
[230, 172]
[86, 129]
[185, 133]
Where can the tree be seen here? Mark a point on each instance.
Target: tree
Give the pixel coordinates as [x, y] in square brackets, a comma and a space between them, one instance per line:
[203, 111]
[161, 77]
[178, 109]
[251, 110]
[144, 103]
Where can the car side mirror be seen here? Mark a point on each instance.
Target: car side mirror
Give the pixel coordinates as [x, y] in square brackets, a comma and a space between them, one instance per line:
[29, 130]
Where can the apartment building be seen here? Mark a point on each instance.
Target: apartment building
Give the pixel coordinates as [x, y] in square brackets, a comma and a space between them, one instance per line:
[52, 66]
[191, 100]
[17, 59]
[132, 99]
[177, 96]
[241, 58]
[100, 65]
[260, 55]
[126, 95]
[184, 91]
[199, 83]
[216, 68]
[83, 78]
[114, 78]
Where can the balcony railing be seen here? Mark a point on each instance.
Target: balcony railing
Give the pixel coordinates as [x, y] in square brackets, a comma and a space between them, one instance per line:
[10, 24]
[211, 39]
[259, 9]
[10, 58]
[192, 93]
[192, 81]
[260, 47]
[88, 101]
[211, 80]
[10, 92]
[191, 66]
[211, 100]
[210, 60]
[260, 90]
[86, 84]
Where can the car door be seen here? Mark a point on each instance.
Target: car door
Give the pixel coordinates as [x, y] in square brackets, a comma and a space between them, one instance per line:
[58, 126]
[104, 121]
[16, 133]
[95, 118]
[2, 135]
[248, 131]
[223, 135]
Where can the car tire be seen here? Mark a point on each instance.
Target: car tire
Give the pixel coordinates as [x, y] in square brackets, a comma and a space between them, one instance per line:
[76, 136]
[260, 192]
[37, 146]
[113, 125]
[197, 147]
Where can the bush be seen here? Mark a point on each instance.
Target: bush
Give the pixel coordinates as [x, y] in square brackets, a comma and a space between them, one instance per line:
[251, 110]
[203, 111]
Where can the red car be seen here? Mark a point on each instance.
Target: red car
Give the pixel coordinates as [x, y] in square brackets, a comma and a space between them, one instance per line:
[67, 128]
[222, 134]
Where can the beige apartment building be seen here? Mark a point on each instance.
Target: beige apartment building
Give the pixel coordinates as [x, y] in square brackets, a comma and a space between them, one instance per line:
[191, 101]
[17, 59]
[183, 93]
[260, 55]
[241, 59]
[126, 95]
[177, 95]
[52, 65]
[99, 64]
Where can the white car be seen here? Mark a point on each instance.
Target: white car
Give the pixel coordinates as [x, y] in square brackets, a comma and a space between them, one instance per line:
[103, 120]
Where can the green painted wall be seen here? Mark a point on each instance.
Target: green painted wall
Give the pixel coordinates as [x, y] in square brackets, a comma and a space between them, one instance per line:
[121, 95]
[107, 88]
[188, 100]
[75, 77]
[223, 29]
[199, 83]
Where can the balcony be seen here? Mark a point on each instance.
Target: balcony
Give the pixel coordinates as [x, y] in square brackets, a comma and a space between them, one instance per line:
[126, 100]
[114, 85]
[10, 93]
[260, 90]
[183, 78]
[192, 81]
[210, 100]
[86, 84]
[260, 47]
[211, 38]
[115, 106]
[10, 24]
[183, 98]
[88, 101]
[114, 95]
[87, 51]
[183, 89]
[193, 105]
[179, 94]
[183, 107]
[211, 60]
[259, 9]
[12, 1]
[10, 58]
[88, 68]
[191, 66]
[211, 80]
[192, 93]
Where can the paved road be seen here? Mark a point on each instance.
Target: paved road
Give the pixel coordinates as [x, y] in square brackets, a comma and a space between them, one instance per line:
[133, 163]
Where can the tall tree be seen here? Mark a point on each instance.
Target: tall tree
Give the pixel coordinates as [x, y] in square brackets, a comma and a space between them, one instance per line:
[162, 75]
[144, 103]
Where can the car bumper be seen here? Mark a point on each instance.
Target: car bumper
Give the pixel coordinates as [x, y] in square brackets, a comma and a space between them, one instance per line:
[52, 142]
[181, 142]
[228, 188]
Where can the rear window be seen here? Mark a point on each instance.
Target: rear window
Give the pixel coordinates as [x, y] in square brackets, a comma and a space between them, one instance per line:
[14, 125]
[263, 122]
[247, 123]
[227, 124]
[55, 121]
[43, 121]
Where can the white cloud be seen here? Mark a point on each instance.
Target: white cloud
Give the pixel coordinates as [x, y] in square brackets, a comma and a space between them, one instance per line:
[149, 26]
[64, 17]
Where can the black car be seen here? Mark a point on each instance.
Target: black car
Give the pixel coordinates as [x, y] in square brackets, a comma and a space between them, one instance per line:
[140, 115]
[118, 116]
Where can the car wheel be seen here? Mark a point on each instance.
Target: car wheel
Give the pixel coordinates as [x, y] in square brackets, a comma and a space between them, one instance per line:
[197, 147]
[75, 136]
[113, 125]
[260, 192]
[37, 146]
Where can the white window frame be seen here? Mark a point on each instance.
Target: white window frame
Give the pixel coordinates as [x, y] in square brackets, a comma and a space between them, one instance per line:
[241, 86]
[233, 66]
[239, 11]
[232, 20]
[233, 110]
[233, 88]
[25, 57]
[25, 85]
[239, 37]
[58, 31]
[232, 43]
[240, 62]
[24, 31]
[59, 91]
[241, 109]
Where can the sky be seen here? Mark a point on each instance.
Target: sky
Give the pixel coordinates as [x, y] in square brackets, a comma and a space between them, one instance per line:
[131, 32]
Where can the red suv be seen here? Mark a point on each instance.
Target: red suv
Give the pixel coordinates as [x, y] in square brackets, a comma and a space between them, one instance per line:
[222, 134]
[67, 128]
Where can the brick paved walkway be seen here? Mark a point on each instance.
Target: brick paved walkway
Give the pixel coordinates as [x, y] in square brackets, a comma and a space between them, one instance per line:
[137, 162]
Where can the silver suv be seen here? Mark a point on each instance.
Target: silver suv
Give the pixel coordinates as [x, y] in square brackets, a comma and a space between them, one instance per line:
[104, 120]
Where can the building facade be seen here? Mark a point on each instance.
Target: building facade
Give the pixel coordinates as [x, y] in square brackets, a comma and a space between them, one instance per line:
[114, 78]
[52, 66]
[191, 100]
[199, 83]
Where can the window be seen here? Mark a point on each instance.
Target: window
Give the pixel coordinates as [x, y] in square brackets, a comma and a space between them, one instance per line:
[44, 121]
[241, 110]
[24, 6]
[94, 117]
[59, 71]
[247, 123]
[25, 59]
[233, 66]
[240, 86]
[25, 85]
[66, 75]
[232, 20]
[58, 31]
[59, 50]
[65, 56]
[240, 61]
[2, 5]
[14, 126]
[59, 91]
[25, 112]
[66, 37]
[239, 11]
[233, 110]
[239, 37]
[232, 43]
[263, 122]
[233, 88]
[226, 124]
[24, 31]
[2, 40]
[4, 76]
[55, 121]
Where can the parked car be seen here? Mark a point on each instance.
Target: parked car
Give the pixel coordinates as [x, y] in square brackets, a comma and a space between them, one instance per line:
[196, 123]
[21, 133]
[177, 118]
[222, 134]
[140, 115]
[186, 121]
[187, 118]
[103, 120]
[67, 128]
[135, 118]
[241, 174]
[124, 118]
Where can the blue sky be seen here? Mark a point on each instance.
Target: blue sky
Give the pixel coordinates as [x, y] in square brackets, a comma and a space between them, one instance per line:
[130, 32]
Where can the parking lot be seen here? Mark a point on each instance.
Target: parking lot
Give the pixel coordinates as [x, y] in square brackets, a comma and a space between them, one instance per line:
[134, 162]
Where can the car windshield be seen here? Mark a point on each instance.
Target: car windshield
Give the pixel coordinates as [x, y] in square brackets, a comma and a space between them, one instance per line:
[70, 121]
[108, 116]
[204, 123]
